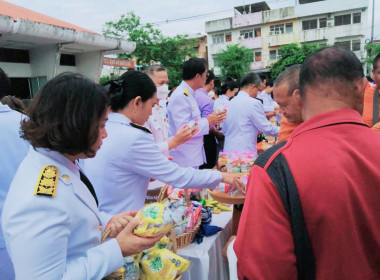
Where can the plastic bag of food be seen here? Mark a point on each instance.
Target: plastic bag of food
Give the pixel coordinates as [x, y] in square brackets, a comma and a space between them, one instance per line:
[155, 220]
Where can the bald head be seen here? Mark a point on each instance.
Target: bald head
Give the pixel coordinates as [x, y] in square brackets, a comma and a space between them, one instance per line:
[330, 79]
[330, 66]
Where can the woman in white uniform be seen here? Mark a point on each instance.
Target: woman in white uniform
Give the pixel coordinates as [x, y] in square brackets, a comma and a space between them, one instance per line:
[51, 223]
[130, 157]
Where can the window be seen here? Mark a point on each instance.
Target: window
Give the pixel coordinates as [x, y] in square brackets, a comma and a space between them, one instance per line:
[309, 24]
[218, 38]
[245, 34]
[14, 55]
[289, 27]
[342, 20]
[322, 22]
[257, 32]
[344, 45]
[277, 29]
[356, 17]
[257, 56]
[272, 54]
[355, 45]
[67, 60]
[228, 37]
[216, 61]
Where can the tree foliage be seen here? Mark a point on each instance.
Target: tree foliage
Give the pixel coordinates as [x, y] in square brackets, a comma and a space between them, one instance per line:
[290, 55]
[152, 47]
[235, 61]
[373, 50]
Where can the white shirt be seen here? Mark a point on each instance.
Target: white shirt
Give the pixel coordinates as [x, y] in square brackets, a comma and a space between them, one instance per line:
[268, 102]
[128, 159]
[13, 151]
[183, 108]
[245, 118]
[222, 101]
[159, 126]
[56, 237]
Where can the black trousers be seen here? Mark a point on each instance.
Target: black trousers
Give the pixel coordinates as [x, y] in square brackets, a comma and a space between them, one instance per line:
[209, 143]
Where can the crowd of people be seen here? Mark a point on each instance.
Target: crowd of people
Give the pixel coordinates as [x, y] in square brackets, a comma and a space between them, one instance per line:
[79, 159]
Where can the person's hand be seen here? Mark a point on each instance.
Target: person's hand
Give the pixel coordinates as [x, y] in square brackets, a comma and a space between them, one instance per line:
[225, 248]
[234, 181]
[271, 114]
[183, 135]
[119, 222]
[130, 243]
[216, 117]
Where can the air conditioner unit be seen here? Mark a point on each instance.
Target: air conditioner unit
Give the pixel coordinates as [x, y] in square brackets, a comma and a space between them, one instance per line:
[270, 33]
[241, 37]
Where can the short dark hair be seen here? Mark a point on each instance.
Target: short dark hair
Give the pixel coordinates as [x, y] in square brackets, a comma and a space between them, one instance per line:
[210, 77]
[129, 86]
[249, 79]
[229, 85]
[192, 67]
[375, 61]
[5, 84]
[64, 115]
[291, 76]
[330, 65]
[150, 70]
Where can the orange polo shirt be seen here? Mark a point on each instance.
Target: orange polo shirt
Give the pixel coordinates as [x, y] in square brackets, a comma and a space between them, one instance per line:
[368, 105]
[286, 128]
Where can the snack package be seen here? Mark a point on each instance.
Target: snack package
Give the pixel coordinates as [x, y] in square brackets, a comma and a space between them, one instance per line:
[155, 220]
[193, 124]
[163, 265]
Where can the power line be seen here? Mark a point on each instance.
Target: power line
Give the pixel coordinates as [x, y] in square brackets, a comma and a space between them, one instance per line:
[190, 17]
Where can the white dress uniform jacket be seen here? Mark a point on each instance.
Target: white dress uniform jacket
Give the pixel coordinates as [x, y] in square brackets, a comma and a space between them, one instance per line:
[128, 158]
[244, 120]
[182, 109]
[13, 151]
[268, 102]
[222, 101]
[159, 126]
[56, 237]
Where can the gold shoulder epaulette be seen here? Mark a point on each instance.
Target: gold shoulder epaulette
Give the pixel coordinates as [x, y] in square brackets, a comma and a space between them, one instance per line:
[48, 181]
[186, 92]
[143, 128]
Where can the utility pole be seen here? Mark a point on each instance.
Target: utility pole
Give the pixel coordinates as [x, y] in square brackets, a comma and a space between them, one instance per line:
[373, 19]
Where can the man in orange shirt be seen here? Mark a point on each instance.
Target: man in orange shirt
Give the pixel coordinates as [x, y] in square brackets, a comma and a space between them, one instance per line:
[285, 94]
[370, 111]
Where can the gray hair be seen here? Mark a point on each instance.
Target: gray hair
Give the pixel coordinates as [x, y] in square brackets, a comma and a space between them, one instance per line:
[249, 79]
[150, 70]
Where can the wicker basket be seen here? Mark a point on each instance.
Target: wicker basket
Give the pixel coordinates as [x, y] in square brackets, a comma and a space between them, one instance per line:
[186, 238]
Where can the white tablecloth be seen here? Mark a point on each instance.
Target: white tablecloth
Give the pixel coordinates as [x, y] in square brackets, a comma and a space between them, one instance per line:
[206, 261]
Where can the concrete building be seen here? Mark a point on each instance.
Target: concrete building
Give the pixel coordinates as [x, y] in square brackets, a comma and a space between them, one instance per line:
[34, 48]
[265, 31]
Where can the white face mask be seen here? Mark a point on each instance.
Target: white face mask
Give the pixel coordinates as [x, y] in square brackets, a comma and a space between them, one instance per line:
[162, 91]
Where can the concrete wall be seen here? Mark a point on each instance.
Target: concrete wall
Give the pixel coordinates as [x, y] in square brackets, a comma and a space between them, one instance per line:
[218, 25]
[43, 61]
[279, 14]
[17, 70]
[247, 20]
[90, 64]
[252, 43]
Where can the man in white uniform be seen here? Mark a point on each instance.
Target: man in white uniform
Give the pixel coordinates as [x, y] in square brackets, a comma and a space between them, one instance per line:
[14, 149]
[246, 117]
[183, 108]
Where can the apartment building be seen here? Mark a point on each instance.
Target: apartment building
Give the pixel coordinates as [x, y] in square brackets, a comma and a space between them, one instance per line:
[325, 22]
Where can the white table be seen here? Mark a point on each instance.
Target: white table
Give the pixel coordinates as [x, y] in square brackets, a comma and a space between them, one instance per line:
[206, 261]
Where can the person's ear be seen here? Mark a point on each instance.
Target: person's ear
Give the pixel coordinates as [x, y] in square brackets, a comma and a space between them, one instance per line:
[297, 96]
[137, 101]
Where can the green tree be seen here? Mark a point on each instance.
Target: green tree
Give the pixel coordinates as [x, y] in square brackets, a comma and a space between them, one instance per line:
[152, 47]
[290, 55]
[373, 50]
[235, 61]
[129, 27]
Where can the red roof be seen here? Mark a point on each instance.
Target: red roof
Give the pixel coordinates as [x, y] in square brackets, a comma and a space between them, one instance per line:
[17, 12]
